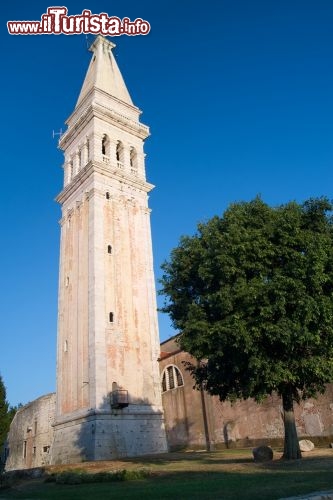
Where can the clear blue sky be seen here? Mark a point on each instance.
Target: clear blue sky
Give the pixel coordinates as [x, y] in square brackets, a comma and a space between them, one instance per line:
[239, 98]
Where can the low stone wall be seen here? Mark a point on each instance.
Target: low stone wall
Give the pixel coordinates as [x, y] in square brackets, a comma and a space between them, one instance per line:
[31, 435]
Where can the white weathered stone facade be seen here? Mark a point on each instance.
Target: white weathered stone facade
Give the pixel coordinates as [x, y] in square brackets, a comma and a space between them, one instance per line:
[108, 400]
[107, 325]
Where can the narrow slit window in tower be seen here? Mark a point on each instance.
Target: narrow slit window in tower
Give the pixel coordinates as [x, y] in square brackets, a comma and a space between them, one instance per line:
[111, 317]
[109, 249]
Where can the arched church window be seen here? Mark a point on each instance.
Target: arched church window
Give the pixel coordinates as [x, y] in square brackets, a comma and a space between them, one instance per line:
[171, 378]
[179, 378]
[107, 195]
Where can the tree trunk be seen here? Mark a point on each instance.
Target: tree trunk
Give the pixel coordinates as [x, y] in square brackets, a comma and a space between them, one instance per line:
[291, 445]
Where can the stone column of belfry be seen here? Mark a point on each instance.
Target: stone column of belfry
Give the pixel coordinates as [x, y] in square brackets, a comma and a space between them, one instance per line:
[108, 401]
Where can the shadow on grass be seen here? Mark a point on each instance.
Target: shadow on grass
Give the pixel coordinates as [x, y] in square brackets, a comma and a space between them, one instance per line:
[225, 461]
[199, 457]
[225, 484]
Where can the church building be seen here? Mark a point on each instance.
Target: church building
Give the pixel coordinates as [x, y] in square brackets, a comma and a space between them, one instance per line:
[196, 420]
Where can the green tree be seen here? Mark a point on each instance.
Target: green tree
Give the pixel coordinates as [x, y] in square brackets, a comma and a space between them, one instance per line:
[251, 294]
[6, 413]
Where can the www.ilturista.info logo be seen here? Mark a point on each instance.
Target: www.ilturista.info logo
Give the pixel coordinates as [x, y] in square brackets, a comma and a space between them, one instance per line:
[56, 22]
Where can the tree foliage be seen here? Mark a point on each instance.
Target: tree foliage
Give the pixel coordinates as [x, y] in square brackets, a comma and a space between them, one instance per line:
[6, 413]
[251, 294]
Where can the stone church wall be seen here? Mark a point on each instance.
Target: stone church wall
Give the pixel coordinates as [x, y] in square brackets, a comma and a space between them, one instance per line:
[31, 435]
[195, 419]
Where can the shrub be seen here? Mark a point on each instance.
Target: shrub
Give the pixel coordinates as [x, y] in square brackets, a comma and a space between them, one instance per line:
[80, 477]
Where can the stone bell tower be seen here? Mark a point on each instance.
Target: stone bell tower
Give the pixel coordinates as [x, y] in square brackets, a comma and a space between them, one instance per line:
[108, 401]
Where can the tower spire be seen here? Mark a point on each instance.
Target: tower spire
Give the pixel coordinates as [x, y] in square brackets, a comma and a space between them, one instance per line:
[103, 73]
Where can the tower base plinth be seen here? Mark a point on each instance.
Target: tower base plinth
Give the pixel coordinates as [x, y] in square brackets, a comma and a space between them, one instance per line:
[108, 436]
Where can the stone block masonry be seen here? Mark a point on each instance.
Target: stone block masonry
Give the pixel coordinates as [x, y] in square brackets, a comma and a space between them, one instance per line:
[31, 433]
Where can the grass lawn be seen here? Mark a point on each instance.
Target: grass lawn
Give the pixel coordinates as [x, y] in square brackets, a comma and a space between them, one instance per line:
[227, 474]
